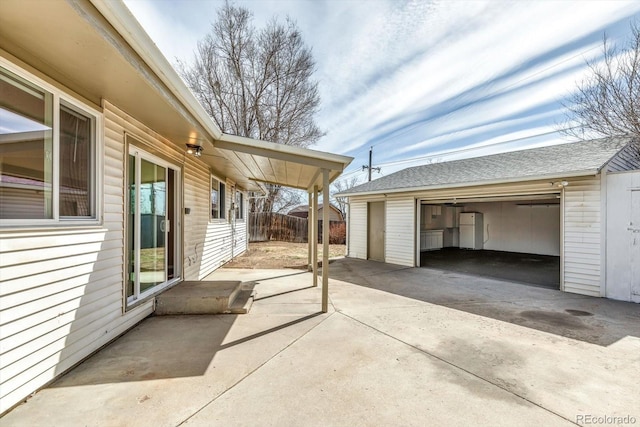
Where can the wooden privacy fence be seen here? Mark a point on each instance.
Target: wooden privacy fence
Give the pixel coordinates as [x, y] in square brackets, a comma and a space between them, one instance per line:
[265, 226]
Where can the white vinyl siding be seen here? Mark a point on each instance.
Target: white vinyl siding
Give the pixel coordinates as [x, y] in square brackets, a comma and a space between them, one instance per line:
[62, 289]
[357, 229]
[400, 231]
[208, 244]
[582, 236]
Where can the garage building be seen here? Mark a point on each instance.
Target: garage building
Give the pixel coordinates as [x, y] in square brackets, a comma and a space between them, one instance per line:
[572, 209]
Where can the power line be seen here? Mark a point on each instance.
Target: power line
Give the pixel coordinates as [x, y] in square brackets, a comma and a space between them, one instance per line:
[452, 152]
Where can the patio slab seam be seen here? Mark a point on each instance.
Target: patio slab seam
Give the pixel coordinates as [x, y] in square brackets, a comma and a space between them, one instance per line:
[196, 412]
[421, 350]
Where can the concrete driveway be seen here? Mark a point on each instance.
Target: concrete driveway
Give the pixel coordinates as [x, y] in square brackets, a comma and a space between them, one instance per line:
[398, 347]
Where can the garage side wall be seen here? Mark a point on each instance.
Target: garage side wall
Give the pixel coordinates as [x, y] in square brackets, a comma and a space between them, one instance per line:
[400, 231]
[623, 241]
[582, 236]
[357, 229]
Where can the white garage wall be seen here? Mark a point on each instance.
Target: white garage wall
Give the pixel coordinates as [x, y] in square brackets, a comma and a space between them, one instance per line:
[357, 229]
[513, 227]
[582, 236]
[400, 231]
[622, 245]
[581, 228]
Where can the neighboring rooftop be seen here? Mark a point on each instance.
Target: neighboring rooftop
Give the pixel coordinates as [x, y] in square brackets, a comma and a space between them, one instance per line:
[570, 159]
[302, 211]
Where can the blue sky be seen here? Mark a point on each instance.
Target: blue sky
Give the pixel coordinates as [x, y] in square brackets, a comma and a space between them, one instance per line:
[421, 80]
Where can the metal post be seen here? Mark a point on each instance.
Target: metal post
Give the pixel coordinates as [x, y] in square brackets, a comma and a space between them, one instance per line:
[314, 244]
[309, 232]
[325, 239]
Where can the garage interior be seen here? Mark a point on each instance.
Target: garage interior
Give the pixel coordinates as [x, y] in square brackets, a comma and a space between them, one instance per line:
[514, 238]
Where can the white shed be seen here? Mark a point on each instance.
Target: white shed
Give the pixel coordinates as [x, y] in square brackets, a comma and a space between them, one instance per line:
[575, 202]
[101, 206]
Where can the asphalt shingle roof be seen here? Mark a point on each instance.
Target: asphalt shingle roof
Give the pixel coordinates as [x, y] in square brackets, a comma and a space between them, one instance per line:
[555, 160]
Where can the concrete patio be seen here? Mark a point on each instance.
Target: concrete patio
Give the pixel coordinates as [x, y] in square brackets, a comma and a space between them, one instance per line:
[398, 347]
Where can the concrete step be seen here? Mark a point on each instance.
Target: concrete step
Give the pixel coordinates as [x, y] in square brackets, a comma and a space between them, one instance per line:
[199, 297]
[243, 300]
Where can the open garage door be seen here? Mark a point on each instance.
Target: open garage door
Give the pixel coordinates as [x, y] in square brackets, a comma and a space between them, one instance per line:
[514, 238]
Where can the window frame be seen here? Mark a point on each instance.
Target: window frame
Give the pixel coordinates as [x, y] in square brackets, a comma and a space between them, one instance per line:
[221, 200]
[64, 98]
[239, 210]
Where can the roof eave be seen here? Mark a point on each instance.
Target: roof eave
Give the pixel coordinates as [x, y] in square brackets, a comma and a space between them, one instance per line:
[119, 16]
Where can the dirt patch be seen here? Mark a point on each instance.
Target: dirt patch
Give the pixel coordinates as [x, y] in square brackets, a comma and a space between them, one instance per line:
[280, 255]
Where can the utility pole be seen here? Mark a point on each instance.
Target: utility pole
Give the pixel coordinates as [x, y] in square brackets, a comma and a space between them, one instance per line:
[370, 167]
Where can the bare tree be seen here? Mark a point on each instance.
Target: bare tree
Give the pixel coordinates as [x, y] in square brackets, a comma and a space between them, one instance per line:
[607, 102]
[339, 186]
[256, 84]
[287, 199]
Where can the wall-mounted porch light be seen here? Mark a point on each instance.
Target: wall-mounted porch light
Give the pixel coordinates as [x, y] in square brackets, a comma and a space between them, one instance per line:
[194, 149]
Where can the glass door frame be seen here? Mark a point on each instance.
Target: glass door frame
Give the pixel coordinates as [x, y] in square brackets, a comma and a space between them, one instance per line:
[135, 226]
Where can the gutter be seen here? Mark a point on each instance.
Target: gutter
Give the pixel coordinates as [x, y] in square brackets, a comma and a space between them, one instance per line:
[470, 184]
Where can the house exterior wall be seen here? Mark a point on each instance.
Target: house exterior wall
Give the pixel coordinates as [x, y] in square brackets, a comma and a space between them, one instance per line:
[623, 236]
[208, 243]
[62, 288]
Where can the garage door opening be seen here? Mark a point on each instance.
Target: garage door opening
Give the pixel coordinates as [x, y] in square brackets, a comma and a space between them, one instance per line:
[515, 239]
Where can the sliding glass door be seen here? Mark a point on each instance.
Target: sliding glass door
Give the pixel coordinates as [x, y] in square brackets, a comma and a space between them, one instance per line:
[152, 228]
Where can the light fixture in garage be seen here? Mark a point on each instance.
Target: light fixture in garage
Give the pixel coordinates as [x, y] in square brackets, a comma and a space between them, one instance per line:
[560, 184]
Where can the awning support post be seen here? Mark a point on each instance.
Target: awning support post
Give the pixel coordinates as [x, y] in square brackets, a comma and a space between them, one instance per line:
[325, 240]
[309, 232]
[314, 237]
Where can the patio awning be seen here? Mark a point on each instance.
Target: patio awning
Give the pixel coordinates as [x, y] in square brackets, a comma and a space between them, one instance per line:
[260, 162]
